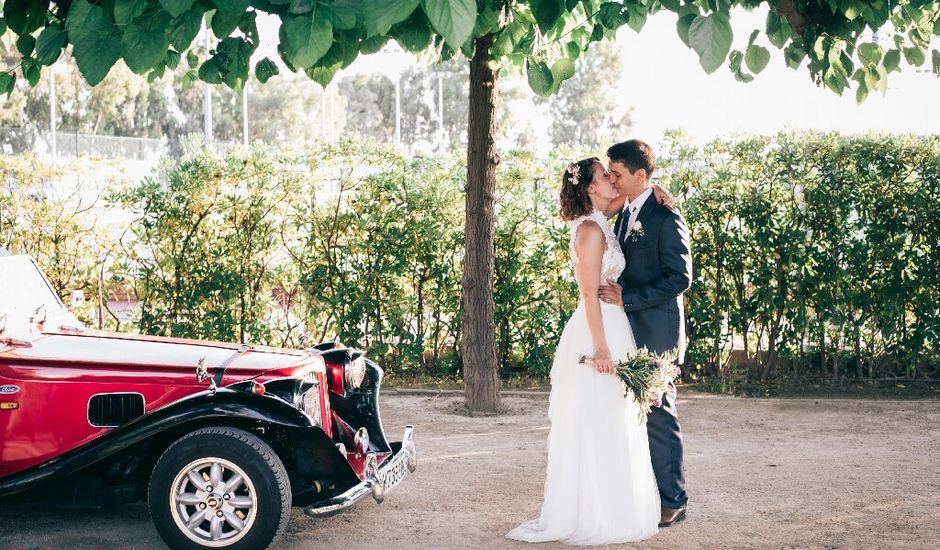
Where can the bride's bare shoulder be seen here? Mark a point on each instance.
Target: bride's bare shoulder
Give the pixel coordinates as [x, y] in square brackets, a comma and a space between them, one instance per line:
[589, 233]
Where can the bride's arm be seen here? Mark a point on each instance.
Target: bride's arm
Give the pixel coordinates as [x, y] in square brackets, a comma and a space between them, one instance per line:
[589, 246]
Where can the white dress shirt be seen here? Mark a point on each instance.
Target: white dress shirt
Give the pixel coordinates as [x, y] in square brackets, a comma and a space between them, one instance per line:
[633, 208]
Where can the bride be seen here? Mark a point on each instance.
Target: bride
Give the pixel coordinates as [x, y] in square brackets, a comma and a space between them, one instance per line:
[599, 483]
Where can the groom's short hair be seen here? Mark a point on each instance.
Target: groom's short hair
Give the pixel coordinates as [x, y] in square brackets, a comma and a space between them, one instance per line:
[634, 154]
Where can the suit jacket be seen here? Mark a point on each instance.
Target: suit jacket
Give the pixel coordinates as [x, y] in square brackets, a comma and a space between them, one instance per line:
[657, 273]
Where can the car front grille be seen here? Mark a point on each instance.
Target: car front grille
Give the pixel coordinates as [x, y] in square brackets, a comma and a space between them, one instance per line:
[110, 410]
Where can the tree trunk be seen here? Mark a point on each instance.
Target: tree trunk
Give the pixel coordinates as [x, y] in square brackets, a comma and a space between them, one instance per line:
[503, 342]
[480, 369]
[745, 333]
[771, 360]
[837, 356]
[716, 314]
[797, 364]
[859, 365]
[822, 347]
[776, 327]
[419, 332]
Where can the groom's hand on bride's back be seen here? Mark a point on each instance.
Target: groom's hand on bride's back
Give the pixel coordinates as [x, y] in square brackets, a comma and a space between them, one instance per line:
[611, 293]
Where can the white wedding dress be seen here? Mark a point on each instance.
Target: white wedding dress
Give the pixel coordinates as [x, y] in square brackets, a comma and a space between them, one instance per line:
[599, 483]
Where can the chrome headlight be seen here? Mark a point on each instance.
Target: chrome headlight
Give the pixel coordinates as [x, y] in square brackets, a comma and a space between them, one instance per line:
[355, 372]
[311, 405]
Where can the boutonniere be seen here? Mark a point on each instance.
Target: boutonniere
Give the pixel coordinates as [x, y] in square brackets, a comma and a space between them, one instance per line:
[636, 232]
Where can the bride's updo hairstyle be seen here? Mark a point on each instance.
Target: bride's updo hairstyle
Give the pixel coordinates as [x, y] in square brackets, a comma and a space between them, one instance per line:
[575, 180]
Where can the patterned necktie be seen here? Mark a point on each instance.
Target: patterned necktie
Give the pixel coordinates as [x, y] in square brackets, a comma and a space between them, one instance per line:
[627, 214]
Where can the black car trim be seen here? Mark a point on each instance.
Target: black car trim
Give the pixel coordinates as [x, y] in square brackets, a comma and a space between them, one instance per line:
[360, 409]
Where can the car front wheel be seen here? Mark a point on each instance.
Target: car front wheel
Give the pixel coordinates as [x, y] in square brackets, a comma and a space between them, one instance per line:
[219, 488]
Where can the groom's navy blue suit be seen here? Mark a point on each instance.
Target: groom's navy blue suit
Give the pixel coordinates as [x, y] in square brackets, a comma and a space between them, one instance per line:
[658, 271]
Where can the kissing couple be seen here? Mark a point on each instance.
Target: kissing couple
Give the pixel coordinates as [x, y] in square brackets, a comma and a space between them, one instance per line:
[611, 478]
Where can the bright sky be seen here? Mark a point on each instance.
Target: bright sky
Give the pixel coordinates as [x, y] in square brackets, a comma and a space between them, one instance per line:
[674, 91]
[667, 87]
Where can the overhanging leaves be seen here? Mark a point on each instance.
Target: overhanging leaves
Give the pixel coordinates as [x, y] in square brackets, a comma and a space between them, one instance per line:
[915, 56]
[173, 7]
[183, 29]
[382, 14]
[7, 83]
[94, 39]
[539, 77]
[710, 36]
[25, 16]
[232, 7]
[757, 57]
[547, 12]
[145, 42]
[125, 12]
[453, 19]
[344, 14]
[306, 38]
[265, 69]
[563, 69]
[49, 45]
[613, 15]
[324, 34]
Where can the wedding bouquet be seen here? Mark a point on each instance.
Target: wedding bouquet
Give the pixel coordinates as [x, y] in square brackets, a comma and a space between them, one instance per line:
[648, 375]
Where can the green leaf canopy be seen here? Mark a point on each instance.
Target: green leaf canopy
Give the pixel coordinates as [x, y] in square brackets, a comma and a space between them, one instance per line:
[541, 38]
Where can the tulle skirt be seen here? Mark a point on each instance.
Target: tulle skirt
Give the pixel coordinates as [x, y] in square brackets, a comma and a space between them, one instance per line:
[599, 483]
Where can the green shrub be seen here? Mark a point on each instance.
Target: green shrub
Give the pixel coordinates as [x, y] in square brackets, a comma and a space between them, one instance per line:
[816, 253]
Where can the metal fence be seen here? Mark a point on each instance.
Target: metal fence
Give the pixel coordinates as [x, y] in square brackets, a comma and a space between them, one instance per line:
[70, 143]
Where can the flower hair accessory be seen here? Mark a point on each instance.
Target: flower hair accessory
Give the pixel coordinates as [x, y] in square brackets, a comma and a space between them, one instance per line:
[574, 172]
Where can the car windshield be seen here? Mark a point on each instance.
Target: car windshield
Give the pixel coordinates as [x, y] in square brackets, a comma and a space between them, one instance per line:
[25, 294]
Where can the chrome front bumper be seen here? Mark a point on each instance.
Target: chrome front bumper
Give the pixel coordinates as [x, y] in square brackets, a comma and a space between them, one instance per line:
[377, 482]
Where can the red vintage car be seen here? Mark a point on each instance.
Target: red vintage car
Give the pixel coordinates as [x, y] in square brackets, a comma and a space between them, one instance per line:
[221, 439]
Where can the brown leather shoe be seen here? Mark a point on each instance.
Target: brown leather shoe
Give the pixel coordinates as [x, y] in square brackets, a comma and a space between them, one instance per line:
[670, 516]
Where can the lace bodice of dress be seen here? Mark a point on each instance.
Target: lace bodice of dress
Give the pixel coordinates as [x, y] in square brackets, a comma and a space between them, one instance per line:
[613, 262]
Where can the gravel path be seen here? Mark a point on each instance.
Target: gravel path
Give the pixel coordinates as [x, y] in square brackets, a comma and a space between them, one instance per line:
[761, 473]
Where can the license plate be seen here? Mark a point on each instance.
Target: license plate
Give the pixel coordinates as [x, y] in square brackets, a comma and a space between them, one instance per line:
[396, 471]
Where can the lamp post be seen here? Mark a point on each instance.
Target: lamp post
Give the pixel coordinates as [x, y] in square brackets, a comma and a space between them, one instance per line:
[398, 110]
[207, 95]
[323, 113]
[440, 112]
[245, 115]
[52, 121]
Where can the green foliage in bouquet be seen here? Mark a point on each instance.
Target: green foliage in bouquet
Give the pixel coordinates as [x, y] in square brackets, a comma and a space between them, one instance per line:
[645, 374]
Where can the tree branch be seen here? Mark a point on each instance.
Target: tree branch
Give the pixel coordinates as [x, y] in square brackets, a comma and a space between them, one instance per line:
[787, 10]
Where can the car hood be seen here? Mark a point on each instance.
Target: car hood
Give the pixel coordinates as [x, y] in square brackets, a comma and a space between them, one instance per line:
[156, 357]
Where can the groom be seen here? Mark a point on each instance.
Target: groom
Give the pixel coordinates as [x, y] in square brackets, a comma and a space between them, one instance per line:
[655, 243]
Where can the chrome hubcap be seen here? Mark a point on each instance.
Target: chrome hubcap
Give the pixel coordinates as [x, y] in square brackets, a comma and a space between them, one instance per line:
[213, 502]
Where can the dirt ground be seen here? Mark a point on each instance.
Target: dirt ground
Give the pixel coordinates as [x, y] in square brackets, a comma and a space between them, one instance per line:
[761, 473]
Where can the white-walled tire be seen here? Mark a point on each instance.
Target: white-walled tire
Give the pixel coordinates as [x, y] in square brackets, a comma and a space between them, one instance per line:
[219, 488]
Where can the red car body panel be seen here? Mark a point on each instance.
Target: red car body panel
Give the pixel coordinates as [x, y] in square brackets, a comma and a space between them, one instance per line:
[60, 372]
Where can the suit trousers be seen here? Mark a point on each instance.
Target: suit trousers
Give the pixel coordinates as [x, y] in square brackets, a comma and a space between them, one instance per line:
[665, 437]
